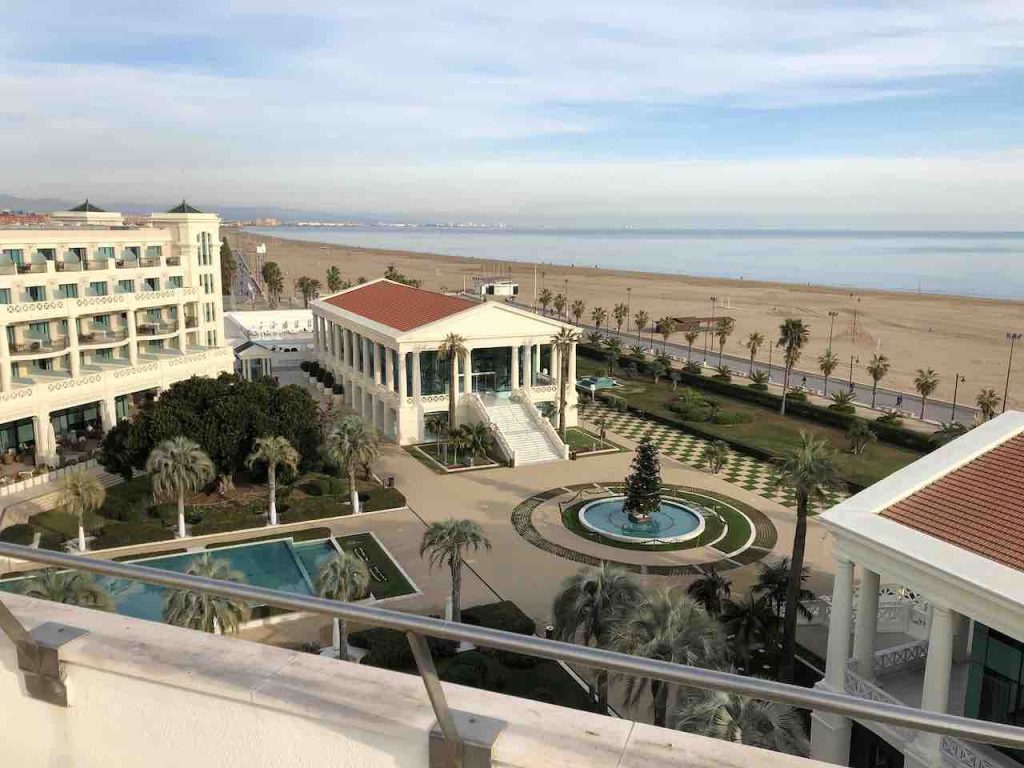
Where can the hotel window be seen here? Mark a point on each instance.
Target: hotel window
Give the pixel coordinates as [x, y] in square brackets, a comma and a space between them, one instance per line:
[62, 327]
[394, 371]
[175, 281]
[39, 330]
[47, 253]
[153, 251]
[17, 255]
[98, 288]
[126, 286]
[151, 284]
[132, 252]
[207, 281]
[45, 364]
[156, 345]
[105, 252]
[68, 291]
[36, 292]
[104, 354]
[211, 338]
[5, 295]
[101, 321]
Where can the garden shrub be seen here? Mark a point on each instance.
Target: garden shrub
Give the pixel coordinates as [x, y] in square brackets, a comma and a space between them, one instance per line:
[117, 534]
[844, 408]
[304, 366]
[728, 418]
[128, 502]
[691, 367]
[889, 419]
[545, 695]
[389, 649]
[328, 380]
[19, 533]
[314, 508]
[504, 615]
[758, 386]
[796, 396]
[221, 519]
[468, 669]
[383, 498]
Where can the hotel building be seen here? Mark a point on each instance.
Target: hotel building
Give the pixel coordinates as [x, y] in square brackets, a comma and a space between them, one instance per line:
[381, 341]
[937, 618]
[97, 316]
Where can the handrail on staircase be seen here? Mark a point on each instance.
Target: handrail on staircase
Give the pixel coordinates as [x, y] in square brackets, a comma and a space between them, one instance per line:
[476, 404]
[520, 396]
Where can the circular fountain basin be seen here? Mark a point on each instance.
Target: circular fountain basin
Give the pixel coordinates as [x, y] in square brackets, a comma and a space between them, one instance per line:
[674, 522]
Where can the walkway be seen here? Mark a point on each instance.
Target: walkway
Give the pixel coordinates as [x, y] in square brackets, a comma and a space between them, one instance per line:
[742, 470]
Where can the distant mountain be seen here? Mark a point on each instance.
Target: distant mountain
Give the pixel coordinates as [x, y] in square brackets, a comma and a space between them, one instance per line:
[229, 212]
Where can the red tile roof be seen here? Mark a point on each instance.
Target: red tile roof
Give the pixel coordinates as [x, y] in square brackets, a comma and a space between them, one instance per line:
[399, 306]
[978, 506]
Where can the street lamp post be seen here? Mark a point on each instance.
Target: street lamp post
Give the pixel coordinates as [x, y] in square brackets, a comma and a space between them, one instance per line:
[851, 372]
[629, 293]
[707, 330]
[832, 315]
[1013, 336]
[957, 381]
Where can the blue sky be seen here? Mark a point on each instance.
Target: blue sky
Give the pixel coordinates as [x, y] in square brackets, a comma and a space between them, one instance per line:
[650, 113]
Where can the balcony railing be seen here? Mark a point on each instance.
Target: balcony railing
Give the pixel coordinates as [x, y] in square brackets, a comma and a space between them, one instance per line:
[32, 268]
[173, 261]
[39, 346]
[40, 661]
[137, 263]
[69, 266]
[102, 337]
[156, 329]
[191, 322]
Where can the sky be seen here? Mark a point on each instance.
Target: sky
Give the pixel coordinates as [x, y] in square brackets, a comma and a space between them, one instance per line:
[818, 114]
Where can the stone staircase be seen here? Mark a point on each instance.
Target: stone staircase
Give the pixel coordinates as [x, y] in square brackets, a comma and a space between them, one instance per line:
[524, 437]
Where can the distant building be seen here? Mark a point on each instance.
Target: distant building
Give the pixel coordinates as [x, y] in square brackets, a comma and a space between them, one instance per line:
[98, 316]
[492, 288]
[271, 343]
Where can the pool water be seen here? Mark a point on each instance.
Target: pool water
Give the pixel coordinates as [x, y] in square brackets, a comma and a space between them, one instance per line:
[675, 521]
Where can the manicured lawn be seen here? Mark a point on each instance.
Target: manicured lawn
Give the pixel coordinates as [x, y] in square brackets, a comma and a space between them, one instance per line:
[583, 441]
[767, 430]
[439, 458]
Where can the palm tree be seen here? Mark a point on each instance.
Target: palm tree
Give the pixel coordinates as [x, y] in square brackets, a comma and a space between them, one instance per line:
[578, 308]
[204, 611]
[827, 363]
[711, 590]
[346, 578]
[457, 441]
[273, 451]
[666, 327]
[334, 279]
[641, 318]
[451, 349]
[352, 445]
[175, 467]
[80, 494]
[752, 627]
[446, 542]
[589, 606]
[613, 349]
[793, 334]
[598, 315]
[715, 455]
[620, 312]
[477, 439]
[666, 628]
[988, 401]
[753, 343]
[691, 336]
[70, 588]
[723, 330]
[544, 299]
[308, 287]
[742, 720]
[559, 304]
[926, 382]
[435, 425]
[273, 279]
[773, 585]
[877, 369]
[564, 341]
[810, 472]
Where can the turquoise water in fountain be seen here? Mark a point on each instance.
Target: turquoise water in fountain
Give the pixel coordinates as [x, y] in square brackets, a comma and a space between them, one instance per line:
[672, 521]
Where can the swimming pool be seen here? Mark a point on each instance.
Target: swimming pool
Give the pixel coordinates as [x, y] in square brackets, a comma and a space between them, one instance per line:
[674, 521]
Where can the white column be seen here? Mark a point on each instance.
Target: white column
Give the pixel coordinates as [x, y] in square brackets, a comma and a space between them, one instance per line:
[133, 338]
[830, 734]
[467, 371]
[5, 361]
[416, 383]
[389, 368]
[924, 750]
[316, 335]
[346, 352]
[403, 390]
[867, 624]
[528, 367]
[74, 356]
[515, 366]
[556, 365]
[378, 364]
[572, 367]
[182, 330]
[108, 413]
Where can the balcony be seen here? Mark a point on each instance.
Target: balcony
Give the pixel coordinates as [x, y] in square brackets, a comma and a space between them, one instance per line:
[137, 263]
[32, 268]
[156, 330]
[173, 261]
[191, 322]
[35, 347]
[101, 338]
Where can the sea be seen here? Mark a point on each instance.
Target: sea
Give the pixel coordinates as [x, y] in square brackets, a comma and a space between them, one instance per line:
[983, 264]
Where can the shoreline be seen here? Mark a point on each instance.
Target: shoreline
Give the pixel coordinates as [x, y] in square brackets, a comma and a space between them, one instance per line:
[949, 333]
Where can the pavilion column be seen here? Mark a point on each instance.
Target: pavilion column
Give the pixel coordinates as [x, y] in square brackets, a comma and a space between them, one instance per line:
[467, 370]
[316, 335]
[5, 361]
[389, 368]
[74, 356]
[133, 338]
[416, 381]
[515, 366]
[867, 624]
[403, 390]
[108, 413]
[830, 734]
[925, 749]
[572, 366]
[528, 367]
[556, 365]
[182, 330]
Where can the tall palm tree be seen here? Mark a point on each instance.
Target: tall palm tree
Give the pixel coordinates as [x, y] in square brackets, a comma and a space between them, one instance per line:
[666, 327]
[273, 279]
[435, 425]
[877, 369]
[178, 466]
[711, 590]
[352, 445]
[334, 279]
[203, 611]
[809, 470]
[620, 312]
[308, 287]
[827, 363]
[753, 343]
[544, 299]
[589, 606]
[752, 627]
[457, 441]
[793, 334]
[477, 438]
[559, 304]
[451, 349]
[691, 336]
[564, 341]
[346, 578]
[445, 543]
[926, 382]
[598, 315]
[723, 330]
[274, 452]
[988, 401]
[80, 494]
[70, 588]
[578, 308]
[742, 720]
[641, 318]
[613, 349]
[667, 628]
[773, 584]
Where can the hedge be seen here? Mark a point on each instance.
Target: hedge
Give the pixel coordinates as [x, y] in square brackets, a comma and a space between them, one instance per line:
[115, 534]
[19, 533]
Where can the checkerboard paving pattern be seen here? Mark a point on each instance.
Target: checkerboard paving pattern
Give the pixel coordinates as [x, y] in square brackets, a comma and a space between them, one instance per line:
[742, 470]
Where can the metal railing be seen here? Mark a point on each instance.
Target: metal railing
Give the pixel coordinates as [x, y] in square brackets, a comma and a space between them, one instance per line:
[36, 655]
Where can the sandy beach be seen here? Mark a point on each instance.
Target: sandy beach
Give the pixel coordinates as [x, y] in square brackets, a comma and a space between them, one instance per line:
[947, 333]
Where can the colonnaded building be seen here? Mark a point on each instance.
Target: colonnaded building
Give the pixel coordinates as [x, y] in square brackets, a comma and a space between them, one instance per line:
[381, 341]
[98, 315]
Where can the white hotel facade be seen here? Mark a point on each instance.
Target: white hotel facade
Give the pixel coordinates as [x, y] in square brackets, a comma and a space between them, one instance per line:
[98, 316]
[381, 339]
